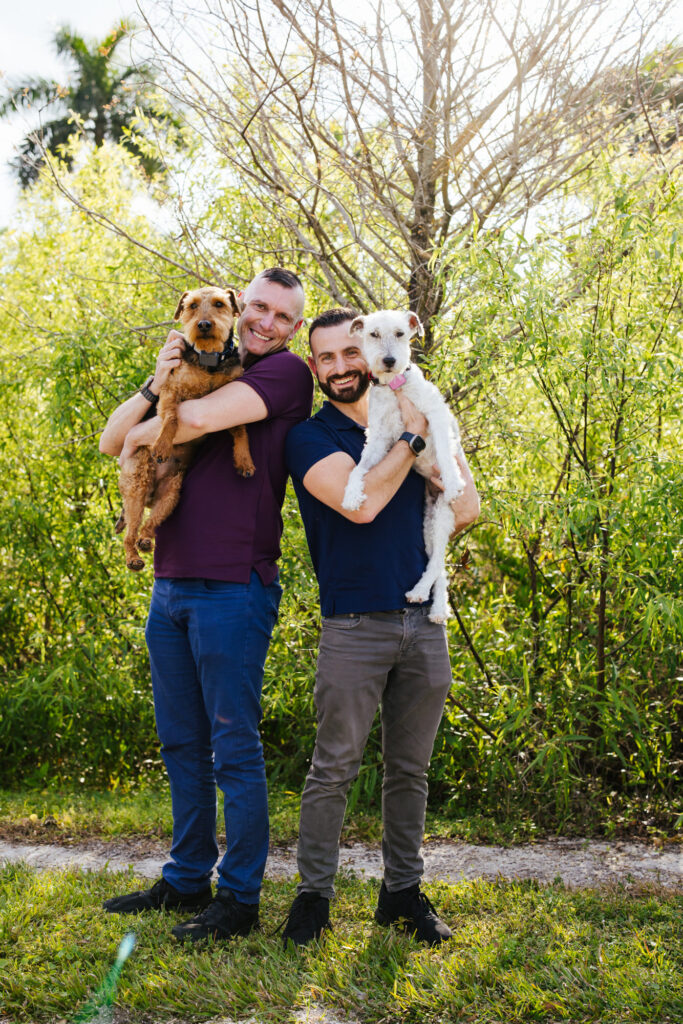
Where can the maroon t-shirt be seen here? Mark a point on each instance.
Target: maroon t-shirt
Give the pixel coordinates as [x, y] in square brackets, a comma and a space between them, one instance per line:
[224, 526]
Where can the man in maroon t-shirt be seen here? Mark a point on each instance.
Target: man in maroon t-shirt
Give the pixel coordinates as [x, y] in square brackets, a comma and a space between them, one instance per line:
[213, 609]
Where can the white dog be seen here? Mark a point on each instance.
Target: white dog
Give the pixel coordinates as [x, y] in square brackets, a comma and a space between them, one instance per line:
[385, 340]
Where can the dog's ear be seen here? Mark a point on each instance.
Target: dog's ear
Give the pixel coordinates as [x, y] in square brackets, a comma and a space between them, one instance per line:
[237, 306]
[176, 315]
[415, 325]
[356, 326]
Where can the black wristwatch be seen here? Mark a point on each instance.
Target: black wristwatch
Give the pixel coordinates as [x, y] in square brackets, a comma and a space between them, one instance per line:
[416, 443]
[146, 393]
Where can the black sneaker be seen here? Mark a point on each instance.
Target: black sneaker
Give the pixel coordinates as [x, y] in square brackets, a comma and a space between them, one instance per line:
[414, 912]
[162, 896]
[223, 918]
[309, 917]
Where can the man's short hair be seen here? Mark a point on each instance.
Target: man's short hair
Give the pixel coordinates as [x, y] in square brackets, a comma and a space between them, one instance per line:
[286, 278]
[332, 317]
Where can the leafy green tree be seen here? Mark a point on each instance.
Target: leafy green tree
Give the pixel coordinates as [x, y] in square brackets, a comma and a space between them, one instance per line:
[101, 99]
[563, 355]
[75, 698]
[573, 373]
[83, 314]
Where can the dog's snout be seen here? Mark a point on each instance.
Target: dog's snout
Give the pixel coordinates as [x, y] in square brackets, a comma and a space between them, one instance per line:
[204, 325]
[388, 361]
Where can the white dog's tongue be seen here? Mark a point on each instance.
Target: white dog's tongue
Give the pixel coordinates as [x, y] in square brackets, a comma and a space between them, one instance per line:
[397, 382]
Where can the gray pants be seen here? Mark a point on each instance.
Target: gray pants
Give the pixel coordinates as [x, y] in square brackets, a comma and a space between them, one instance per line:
[398, 660]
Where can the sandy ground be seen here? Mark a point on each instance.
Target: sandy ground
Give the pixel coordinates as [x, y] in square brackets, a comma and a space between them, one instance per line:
[578, 863]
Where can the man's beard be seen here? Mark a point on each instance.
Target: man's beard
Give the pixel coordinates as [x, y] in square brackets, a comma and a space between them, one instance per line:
[348, 395]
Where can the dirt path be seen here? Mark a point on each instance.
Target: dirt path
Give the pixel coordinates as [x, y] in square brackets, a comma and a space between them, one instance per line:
[589, 863]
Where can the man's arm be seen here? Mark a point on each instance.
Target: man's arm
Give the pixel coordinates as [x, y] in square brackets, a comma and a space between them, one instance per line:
[132, 411]
[230, 406]
[327, 479]
[466, 507]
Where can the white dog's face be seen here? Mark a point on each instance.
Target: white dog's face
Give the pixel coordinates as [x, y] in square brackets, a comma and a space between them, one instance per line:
[385, 339]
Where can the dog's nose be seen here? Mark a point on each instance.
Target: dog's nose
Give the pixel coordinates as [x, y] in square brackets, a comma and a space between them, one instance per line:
[388, 361]
[204, 325]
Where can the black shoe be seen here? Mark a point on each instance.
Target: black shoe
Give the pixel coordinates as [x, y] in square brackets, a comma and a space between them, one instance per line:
[162, 896]
[309, 917]
[414, 912]
[223, 918]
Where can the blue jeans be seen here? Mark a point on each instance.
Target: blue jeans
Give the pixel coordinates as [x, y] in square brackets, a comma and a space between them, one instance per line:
[207, 644]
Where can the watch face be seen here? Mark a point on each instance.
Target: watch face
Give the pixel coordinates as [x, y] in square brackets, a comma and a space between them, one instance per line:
[418, 444]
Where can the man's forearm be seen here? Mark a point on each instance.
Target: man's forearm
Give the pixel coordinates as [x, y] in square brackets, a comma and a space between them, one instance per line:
[326, 480]
[229, 406]
[145, 434]
[130, 413]
[383, 481]
[121, 421]
[466, 507]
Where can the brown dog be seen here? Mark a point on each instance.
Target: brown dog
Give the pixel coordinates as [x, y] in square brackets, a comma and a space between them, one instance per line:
[153, 476]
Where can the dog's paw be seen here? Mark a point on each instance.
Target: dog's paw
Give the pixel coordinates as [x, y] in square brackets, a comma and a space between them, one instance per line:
[354, 497]
[440, 616]
[246, 472]
[162, 453]
[418, 595]
[145, 544]
[453, 493]
[120, 524]
[135, 564]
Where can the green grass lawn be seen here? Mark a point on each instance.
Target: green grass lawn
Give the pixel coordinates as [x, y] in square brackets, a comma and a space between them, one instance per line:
[520, 952]
[46, 815]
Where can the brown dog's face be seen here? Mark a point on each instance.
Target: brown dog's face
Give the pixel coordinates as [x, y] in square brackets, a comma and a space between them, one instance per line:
[207, 316]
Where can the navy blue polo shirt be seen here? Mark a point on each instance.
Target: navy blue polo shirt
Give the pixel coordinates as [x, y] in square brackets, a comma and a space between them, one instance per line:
[361, 567]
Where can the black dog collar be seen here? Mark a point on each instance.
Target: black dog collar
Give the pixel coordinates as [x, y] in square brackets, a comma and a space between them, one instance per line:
[212, 361]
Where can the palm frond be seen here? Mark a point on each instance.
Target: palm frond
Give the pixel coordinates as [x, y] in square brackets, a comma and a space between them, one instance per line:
[68, 43]
[30, 93]
[101, 100]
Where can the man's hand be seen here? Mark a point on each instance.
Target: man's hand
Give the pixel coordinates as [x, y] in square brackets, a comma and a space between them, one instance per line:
[114, 439]
[142, 433]
[413, 420]
[170, 356]
[466, 507]
[435, 483]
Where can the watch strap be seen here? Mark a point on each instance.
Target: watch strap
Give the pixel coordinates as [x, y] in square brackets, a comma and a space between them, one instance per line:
[410, 441]
[146, 393]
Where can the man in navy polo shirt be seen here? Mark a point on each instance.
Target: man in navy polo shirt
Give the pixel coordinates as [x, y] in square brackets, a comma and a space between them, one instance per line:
[375, 649]
[213, 608]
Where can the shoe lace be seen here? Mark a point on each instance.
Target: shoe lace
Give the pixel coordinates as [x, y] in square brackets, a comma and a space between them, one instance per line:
[418, 908]
[425, 905]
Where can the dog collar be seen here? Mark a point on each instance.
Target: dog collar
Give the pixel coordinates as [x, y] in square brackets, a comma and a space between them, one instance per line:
[212, 360]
